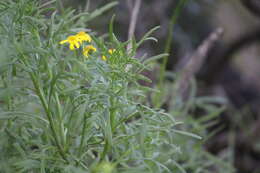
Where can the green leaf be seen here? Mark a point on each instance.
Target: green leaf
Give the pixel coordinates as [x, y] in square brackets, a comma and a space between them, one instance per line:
[147, 35]
[101, 10]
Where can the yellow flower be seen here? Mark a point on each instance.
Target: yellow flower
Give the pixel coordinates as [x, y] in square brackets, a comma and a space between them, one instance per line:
[88, 49]
[73, 41]
[76, 40]
[104, 58]
[111, 51]
[82, 36]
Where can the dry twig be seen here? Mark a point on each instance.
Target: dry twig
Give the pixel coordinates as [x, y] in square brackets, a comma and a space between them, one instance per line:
[196, 61]
[252, 5]
[132, 25]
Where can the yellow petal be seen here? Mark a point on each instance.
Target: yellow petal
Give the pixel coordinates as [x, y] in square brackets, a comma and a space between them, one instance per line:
[83, 36]
[90, 47]
[63, 41]
[85, 54]
[87, 49]
[72, 47]
[88, 38]
[72, 38]
[76, 44]
[81, 33]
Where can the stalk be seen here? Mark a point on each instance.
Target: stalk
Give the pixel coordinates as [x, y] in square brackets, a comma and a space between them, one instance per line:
[168, 44]
[40, 94]
[44, 103]
[83, 133]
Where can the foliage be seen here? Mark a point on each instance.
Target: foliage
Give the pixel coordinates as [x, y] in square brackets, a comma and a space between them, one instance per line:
[63, 112]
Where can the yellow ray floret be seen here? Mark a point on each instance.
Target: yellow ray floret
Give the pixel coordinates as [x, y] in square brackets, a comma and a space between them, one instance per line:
[82, 36]
[73, 41]
[88, 49]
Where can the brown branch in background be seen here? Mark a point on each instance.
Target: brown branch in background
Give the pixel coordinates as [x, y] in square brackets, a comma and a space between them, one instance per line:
[196, 61]
[129, 4]
[87, 5]
[60, 6]
[252, 5]
[133, 20]
[223, 58]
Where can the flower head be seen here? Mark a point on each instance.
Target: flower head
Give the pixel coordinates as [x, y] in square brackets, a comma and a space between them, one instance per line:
[88, 49]
[73, 41]
[76, 40]
[82, 36]
[104, 58]
[111, 51]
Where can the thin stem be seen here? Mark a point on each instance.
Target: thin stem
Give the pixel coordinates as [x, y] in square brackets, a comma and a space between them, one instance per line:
[133, 21]
[40, 94]
[106, 148]
[167, 49]
[83, 133]
[87, 5]
[112, 115]
[61, 127]
[6, 85]
[44, 103]
[111, 124]
[60, 6]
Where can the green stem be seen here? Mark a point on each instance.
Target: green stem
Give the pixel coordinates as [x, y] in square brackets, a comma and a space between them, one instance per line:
[60, 6]
[44, 103]
[110, 131]
[112, 115]
[112, 112]
[83, 134]
[40, 94]
[9, 101]
[167, 49]
[106, 148]
[61, 127]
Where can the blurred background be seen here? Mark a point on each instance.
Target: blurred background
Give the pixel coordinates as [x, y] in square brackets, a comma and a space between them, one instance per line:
[230, 67]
